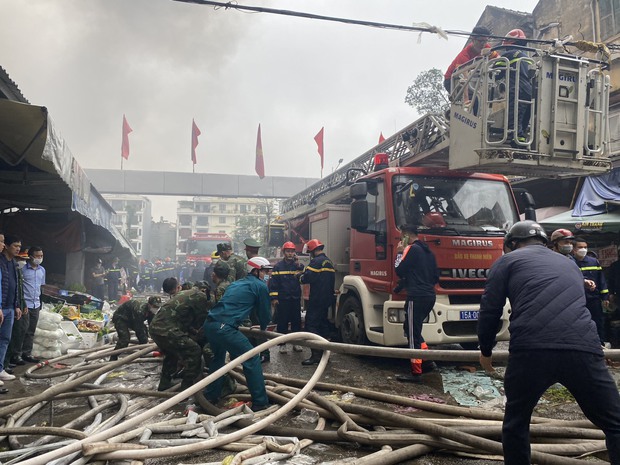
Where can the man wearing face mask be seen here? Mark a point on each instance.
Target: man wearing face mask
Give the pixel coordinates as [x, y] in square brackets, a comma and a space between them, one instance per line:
[33, 278]
[562, 241]
[597, 297]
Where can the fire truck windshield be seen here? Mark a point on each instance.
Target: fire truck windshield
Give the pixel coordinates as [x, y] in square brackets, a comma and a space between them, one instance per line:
[454, 206]
[203, 247]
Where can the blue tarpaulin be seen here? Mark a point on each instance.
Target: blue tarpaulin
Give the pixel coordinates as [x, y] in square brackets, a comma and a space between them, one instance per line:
[597, 193]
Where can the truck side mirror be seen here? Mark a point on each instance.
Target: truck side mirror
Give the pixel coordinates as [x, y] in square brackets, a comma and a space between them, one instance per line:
[359, 215]
[529, 212]
[358, 190]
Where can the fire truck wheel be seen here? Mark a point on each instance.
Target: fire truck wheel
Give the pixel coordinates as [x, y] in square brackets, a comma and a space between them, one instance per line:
[352, 323]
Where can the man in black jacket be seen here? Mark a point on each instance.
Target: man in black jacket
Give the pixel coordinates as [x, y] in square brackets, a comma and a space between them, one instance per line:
[416, 265]
[321, 275]
[552, 340]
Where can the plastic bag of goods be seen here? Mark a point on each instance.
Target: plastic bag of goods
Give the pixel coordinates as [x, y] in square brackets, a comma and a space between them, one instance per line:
[46, 343]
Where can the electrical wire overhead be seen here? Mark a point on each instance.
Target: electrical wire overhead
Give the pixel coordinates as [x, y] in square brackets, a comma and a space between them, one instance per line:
[415, 27]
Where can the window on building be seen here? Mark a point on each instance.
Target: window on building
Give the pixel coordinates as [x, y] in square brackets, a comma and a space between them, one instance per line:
[116, 204]
[222, 208]
[139, 218]
[242, 208]
[609, 11]
[222, 220]
[185, 233]
[185, 220]
[202, 221]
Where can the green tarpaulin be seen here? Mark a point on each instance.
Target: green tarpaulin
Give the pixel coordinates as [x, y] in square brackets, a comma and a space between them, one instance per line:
[605, 222]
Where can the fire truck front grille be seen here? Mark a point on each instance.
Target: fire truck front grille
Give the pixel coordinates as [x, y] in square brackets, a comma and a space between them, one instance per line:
[460, 328]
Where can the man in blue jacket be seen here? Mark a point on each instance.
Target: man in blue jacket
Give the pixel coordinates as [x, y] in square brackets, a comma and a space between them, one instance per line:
[552, 340]
[222, 330]
[416, 265]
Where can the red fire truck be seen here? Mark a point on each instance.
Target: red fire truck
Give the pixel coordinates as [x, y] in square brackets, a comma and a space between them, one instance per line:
[432, 174]
[201, 245]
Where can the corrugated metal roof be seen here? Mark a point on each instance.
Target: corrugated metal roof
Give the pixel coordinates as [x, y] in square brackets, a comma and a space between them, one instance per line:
[8, 88]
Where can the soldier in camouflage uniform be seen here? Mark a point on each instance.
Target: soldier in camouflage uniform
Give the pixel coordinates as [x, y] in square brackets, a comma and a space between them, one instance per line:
[175, 329]
[131, 316]
[220, 279]
[234, 262]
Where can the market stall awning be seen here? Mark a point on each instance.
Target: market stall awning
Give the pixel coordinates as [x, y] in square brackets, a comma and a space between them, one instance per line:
[38, 171]
[603, 223]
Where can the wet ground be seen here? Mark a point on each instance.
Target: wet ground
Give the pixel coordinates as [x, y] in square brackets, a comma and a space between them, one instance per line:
[377, 374]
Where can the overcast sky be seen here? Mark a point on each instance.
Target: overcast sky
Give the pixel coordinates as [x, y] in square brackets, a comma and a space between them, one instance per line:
[162, 63]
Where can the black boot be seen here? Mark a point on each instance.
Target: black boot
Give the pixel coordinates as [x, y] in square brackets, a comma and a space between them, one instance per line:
[164, 383]
[314, 359]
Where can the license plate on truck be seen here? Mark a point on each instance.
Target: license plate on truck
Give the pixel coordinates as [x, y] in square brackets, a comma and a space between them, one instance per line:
[469, 314]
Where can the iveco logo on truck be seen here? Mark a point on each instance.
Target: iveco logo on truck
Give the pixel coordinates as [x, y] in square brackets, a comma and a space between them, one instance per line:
[471, 243]
[469, 272]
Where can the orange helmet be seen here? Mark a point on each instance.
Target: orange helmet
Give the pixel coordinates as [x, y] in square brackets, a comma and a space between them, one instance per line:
[314, 244]
[560, 234]
[514, 37]
[288, 245]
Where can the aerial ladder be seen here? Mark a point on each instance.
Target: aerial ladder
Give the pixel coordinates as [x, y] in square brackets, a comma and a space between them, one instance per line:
[568, 132]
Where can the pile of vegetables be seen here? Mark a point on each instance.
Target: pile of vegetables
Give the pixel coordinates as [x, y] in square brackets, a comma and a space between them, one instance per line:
[68, 312]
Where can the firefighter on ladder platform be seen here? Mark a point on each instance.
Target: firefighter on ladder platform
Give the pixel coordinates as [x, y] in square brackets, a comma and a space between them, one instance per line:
[416, 265]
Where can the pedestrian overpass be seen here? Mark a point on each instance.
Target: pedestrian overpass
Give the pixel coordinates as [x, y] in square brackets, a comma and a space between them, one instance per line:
[108, 181]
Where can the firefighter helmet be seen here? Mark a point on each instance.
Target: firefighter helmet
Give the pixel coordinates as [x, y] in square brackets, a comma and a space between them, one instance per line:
[314, 244]
[258, 263]
[560, 234]
[522, 230]
[516, 36]
[288, 245]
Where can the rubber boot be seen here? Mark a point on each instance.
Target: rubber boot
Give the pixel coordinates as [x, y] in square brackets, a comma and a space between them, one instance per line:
[314, 359]
[164, 383]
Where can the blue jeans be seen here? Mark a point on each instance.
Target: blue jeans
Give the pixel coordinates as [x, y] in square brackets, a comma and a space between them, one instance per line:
[530, 373]
[5, 333]
[225, 338]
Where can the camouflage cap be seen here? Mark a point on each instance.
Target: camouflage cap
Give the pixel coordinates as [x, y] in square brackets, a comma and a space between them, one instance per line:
[154, 301]
[252, 243]
[221, 269]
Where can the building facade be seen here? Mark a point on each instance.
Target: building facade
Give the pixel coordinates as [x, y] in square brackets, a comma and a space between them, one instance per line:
[235, 217]
[133, 220]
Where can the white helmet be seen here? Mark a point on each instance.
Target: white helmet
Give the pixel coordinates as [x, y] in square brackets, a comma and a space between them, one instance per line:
[258, 263]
